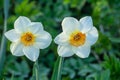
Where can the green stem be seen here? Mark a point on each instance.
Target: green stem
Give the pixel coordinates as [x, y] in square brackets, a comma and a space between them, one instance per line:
[3, 41]
[36, 71]
[12, 77]
[58, 69]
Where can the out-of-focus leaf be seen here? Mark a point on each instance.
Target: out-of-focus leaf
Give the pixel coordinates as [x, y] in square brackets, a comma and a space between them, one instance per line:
[26, 8]
[113, 64]
[4, 41]
[115, 40]
[104, 75]
[75, 3]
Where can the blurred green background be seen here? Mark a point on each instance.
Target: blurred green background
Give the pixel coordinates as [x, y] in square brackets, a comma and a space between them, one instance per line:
[104, 60]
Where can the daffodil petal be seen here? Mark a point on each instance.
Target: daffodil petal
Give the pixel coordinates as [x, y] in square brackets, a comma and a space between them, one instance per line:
[82, 51]
[35, 27]
[21, 24]
[43, 40]
[61, 39]
[69, 24]
[12, 35]
[65, 51]
[17, 49]
[86, 23]
[31, 52]
[92, 36]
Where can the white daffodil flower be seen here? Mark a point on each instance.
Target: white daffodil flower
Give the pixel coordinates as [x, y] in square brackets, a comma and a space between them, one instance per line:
[77, 37]
[27, 38]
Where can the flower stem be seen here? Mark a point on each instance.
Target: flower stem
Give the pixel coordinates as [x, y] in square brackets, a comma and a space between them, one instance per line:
[58, 69]
[36, 70]
[35, 75]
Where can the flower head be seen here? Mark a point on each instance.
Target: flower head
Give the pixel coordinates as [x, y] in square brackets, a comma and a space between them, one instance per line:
[77, 37]
[27, 38]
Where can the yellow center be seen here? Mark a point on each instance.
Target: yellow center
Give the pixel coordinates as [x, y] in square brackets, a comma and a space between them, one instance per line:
[77, 38]
[27, 39]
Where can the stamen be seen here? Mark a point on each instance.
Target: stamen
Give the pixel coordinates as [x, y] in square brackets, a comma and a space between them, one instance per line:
[77, 39]
[27, 39]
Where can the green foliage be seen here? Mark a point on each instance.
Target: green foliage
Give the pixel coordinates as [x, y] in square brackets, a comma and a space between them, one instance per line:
[26, 8]
[97, 66]
[40, 71]
[75, 3]
[113, 64]
[4, 40]
[14, 68]
[103, 75]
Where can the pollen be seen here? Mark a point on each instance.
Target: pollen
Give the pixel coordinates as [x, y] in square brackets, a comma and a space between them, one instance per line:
[27, 39]
[77, 38]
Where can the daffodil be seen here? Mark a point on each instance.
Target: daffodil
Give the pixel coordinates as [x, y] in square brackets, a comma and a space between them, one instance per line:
[77, 37]
[27, 38]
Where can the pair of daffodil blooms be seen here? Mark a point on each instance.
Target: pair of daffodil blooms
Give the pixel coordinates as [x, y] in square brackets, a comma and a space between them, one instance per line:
[28, 37]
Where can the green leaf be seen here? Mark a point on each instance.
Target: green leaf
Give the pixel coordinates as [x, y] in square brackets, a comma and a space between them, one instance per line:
[3, 42]
[115, 40]
[26, 8]
[58, 69]
[103, 75]
[75, 3]
[113, 64]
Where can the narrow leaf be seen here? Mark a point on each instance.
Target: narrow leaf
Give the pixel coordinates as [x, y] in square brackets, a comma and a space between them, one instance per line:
[3, 41]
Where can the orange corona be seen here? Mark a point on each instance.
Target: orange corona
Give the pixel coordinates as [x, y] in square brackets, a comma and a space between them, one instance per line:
[27, 39]
[77, 38]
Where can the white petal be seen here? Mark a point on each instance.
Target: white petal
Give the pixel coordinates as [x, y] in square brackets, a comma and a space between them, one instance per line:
[21, 24]
[82, 51]
[17, 49]
[43, 40]
[61, 39]
[12, 35]
[86, 23]
[31, 53]
[69, 24]
[92, 36]
[65, 51]
[35, 27]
